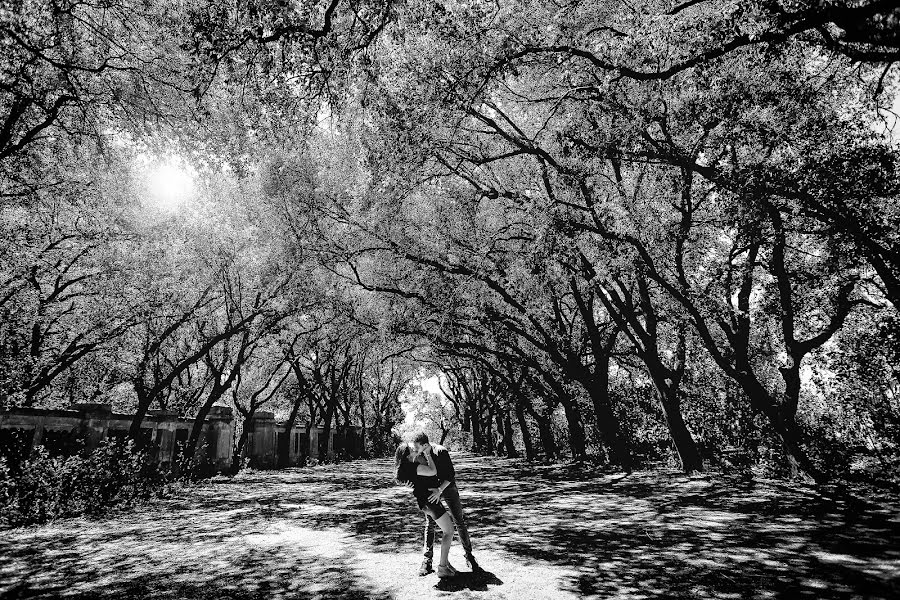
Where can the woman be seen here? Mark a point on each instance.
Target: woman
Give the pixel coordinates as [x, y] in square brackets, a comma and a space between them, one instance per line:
[422, 479]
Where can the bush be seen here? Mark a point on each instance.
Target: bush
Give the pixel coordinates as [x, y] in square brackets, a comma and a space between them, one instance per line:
[45, 488]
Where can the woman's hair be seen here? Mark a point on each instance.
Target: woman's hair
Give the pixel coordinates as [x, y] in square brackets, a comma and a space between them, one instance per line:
[399, 460]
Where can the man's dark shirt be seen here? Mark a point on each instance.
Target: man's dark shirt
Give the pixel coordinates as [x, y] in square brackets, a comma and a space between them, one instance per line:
[444, 465]
[442, 462]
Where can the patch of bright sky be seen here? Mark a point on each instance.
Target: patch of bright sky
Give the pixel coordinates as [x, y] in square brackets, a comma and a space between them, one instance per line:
[166, 181]
[431, 384]
[411, 400]
[169, 181]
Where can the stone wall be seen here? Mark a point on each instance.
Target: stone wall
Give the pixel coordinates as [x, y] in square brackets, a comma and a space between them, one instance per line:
[265, 436]
[166, 433]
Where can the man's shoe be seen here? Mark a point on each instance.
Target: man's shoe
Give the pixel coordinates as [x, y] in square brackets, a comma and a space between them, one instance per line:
[473, 564]
[426, 568]
[445, 571]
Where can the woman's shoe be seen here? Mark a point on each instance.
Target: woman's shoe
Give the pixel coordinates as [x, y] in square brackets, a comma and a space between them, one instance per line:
[444, 571]
[425, 569]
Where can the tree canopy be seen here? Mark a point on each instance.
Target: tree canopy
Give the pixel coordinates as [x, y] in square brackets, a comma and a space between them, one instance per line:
[619, 230]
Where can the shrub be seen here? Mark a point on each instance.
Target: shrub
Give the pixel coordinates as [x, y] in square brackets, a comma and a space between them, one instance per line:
[46, 488]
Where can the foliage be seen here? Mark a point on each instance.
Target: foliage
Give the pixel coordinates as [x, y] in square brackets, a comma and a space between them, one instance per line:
[45, 487]
[631, 230]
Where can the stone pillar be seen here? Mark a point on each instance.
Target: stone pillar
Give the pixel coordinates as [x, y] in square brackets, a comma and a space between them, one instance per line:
[94, 421]
[166, 422]
[221, 432]
[314, 442]
[329, 452]
[38, 438]
[262, 454]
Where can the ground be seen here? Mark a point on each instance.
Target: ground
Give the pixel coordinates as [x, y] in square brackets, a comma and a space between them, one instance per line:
[345, 531]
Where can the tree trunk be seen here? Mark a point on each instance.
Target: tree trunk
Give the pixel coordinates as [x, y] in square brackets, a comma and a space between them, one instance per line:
[467, 417]
[326, 433]
[362, 422]
[376, 434]
[144, 401]
[200, 419]
[489, 429]
[502, 436]
[576, 430]
[511, 451]
[787, 429]
[597, 382]
[608, 425]
[242, 442]
[667, 382]
[798, 460]
[475, 423]
[548, 442]
[526, 433]
[688, 454]
[309, 427]
[284, 443]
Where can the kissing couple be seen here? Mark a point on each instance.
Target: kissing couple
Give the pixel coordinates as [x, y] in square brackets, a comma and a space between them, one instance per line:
[428, 470]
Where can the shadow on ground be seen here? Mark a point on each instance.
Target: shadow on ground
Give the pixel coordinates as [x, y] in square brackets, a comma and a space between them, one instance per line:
[468, 581]
[345, 531]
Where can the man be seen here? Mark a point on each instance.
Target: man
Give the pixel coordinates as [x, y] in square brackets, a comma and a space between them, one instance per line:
[450, 493]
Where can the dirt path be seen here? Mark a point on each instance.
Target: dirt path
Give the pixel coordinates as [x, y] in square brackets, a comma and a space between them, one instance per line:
[344, 531]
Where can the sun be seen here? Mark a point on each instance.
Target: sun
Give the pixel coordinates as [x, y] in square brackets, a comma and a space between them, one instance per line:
[171, 183]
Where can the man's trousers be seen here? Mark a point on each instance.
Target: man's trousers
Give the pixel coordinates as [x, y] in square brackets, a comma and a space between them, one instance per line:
[451, 497]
